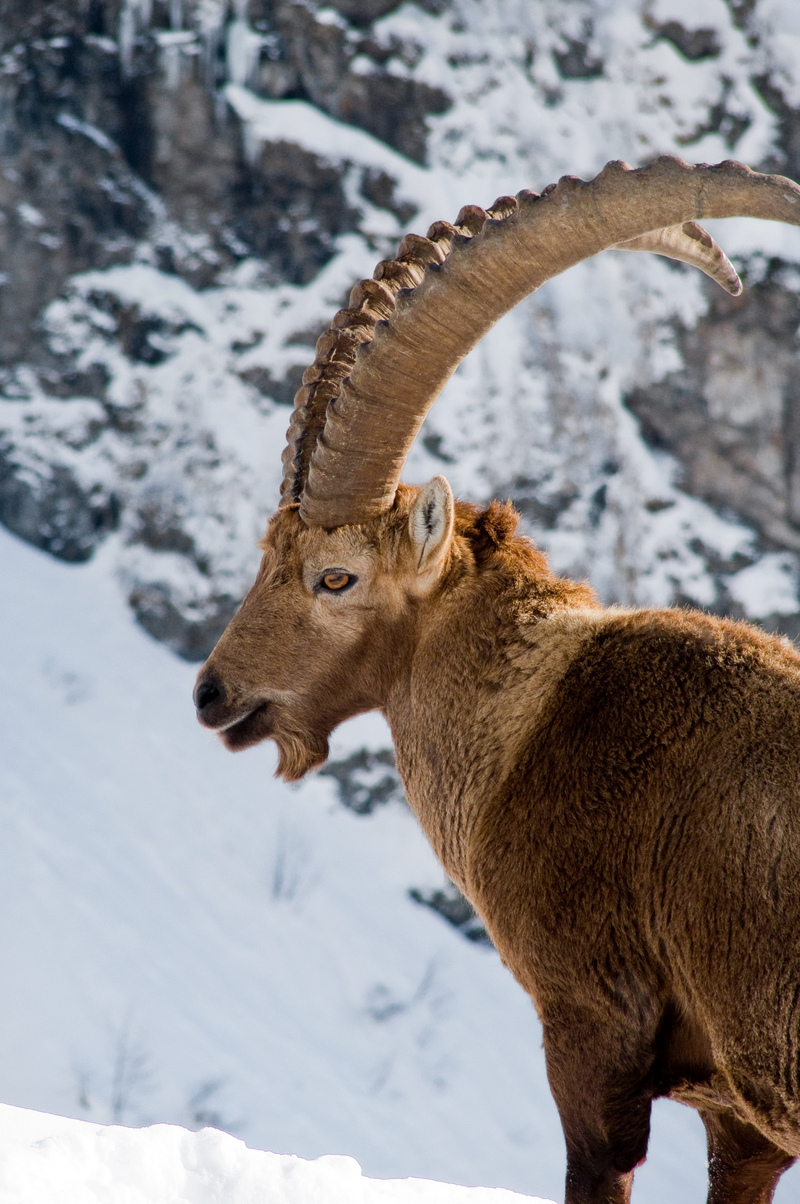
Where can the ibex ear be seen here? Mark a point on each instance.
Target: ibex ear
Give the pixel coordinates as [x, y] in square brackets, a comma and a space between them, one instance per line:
[430, 527]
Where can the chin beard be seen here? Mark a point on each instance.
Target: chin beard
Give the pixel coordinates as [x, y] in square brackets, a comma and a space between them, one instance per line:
[298, 754]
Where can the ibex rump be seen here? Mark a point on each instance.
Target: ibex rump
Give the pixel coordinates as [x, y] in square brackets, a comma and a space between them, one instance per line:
[617, 792]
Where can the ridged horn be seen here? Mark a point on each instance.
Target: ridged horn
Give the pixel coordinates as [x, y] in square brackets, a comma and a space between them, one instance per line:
[691, 244]
[387, 357]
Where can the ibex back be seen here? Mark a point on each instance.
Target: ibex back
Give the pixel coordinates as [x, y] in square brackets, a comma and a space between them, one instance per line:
[617, 792]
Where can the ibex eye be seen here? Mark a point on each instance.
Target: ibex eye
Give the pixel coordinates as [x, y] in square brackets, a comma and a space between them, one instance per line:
[337, 580]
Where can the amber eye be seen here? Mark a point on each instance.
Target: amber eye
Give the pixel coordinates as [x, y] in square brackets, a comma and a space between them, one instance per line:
[337, 580]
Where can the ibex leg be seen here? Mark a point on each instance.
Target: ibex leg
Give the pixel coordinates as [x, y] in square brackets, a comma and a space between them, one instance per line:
[743, 1166]
[604, 1106]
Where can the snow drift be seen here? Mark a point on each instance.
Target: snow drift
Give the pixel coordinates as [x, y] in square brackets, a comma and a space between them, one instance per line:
[72, 1162]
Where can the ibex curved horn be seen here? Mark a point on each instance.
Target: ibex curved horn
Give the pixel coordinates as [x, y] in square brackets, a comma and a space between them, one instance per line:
[386, 358]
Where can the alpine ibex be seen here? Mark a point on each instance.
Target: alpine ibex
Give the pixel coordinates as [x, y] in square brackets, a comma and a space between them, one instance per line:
[616, 791]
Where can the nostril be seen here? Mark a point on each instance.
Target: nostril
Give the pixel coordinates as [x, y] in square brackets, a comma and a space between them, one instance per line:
[206, 692]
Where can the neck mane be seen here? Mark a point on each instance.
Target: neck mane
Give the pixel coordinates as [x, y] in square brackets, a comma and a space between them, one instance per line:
[469, 698]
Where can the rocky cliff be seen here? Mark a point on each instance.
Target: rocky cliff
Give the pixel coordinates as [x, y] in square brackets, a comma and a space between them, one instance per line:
[189, 187]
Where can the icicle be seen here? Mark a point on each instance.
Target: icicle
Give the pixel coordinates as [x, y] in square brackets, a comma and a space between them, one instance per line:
[172, 44]
[209, 18]
[251, 142]
[127, 32]
[135, 16]
[172, 65]
[241, 51]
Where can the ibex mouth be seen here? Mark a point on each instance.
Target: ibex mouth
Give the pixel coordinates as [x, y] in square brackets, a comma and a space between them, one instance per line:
[250, 729]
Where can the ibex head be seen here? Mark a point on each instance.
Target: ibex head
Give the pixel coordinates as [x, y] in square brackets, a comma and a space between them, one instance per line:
[317, 637]
[353, 560]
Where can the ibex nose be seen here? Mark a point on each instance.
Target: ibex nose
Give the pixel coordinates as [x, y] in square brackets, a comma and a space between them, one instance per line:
[208, 691]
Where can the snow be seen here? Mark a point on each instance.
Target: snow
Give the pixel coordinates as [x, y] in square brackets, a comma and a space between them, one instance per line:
[302, 124]
[72, 1162]
[30, 216]
[767, 587]
[91, 132]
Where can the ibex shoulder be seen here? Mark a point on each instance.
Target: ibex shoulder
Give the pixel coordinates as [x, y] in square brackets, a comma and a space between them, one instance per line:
[671, 659]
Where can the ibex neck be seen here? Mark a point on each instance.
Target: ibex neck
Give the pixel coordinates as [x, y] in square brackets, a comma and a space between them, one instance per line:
[479, 678]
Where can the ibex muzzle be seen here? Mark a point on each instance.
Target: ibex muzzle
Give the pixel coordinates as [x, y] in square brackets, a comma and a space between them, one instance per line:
[617, 792]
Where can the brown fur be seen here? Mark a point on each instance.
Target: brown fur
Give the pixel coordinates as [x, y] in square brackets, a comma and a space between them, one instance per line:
[618, 793]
